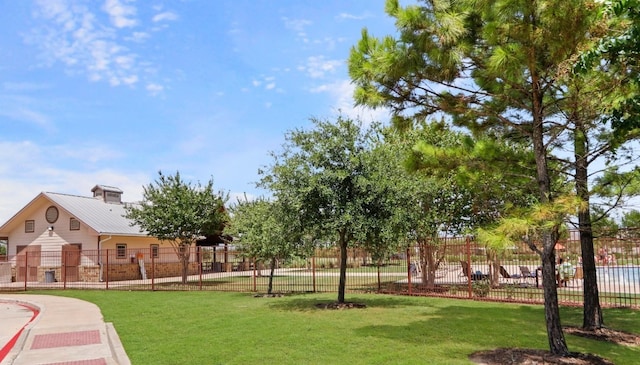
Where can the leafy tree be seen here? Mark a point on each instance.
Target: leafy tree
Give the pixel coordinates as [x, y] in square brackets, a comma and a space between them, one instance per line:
[603, 224]
[265, 231]
[495, 176]
[631, 224]
[492, 67]
[323, 175]
[598, 102]
[179, 213]
[618, 53]
[433, 203]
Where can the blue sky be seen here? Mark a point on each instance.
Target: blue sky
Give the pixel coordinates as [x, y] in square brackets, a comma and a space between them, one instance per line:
[112, 91]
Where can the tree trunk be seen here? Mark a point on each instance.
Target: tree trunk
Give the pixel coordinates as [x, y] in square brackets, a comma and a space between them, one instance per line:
[273, 270]
[185, 266]
[557, 343]
[343, 265]
[428, 262]
[494, 265]
[592, 312]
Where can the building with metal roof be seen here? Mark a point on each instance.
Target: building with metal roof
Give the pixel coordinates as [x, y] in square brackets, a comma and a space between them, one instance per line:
[82, 230]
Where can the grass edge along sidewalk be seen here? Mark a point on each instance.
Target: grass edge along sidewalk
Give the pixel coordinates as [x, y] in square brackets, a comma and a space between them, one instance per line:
[238, 328]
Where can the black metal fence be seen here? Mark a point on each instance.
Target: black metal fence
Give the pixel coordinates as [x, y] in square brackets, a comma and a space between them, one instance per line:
[452, 267]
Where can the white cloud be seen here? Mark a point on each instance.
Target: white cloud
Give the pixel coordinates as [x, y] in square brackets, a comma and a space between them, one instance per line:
[342, 95]
[138, 37]
[154, 89]
[347, 16]
[122, 16]
[19, 185]
[318, 67]
[25, 109]
[298, 26]
[70, 33]
[167, 15]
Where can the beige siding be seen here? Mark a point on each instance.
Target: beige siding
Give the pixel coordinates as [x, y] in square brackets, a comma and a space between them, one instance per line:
[50, 241]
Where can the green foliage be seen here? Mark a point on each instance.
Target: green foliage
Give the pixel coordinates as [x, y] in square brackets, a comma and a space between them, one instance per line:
[327, 179]
[264, 231]
[528, 224]
[481, 288]
[179, 212]
[321, 173]
[631, 219]
[617, 53]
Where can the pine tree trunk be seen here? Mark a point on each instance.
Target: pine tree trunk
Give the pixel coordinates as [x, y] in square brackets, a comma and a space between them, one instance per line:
[557, 343]
[592, 312]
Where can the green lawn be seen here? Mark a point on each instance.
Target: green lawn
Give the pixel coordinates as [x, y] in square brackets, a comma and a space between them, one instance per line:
[235, 328]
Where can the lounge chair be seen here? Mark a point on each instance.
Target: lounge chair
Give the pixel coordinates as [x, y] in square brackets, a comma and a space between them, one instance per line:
[467, 272]
[526, 273]
[505, 274]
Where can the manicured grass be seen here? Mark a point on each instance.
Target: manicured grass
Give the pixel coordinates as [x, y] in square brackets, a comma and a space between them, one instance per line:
[236, 328]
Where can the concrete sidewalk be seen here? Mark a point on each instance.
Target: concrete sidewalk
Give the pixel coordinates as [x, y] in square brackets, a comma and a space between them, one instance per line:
[64, 331]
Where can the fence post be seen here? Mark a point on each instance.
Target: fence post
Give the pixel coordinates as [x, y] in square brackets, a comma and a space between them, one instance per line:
[26, 267]
[107, 272]
[153, 268]
[409, 270]
[199, 255]
[255, 278]
[469, 288]
[313, 272]
[64, 268]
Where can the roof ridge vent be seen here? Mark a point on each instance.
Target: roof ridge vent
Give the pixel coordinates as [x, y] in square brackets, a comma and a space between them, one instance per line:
[108, 194]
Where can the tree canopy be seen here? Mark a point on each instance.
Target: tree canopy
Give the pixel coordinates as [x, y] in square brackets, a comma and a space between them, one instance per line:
[495, 68]
[179, 212]
[324, 174]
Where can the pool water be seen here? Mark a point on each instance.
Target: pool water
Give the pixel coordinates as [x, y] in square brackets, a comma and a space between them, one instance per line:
[628, 275]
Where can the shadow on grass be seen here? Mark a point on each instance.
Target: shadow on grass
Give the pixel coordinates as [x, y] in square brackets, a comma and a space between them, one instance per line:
[466, 324]
[308, 302]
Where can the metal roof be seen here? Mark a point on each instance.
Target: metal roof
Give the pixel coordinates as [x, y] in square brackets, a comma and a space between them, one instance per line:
[105, 218]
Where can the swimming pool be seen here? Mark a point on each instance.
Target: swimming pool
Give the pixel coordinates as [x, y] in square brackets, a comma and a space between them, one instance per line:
[623, 275]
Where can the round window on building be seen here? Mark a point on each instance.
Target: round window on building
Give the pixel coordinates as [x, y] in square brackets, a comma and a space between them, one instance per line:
[52, 214]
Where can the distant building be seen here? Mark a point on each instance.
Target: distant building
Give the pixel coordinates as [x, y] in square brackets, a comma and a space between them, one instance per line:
[74, 236]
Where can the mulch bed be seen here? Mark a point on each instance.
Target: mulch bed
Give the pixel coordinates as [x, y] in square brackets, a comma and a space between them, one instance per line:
[506, 356]
[532, 357]
[336, 305]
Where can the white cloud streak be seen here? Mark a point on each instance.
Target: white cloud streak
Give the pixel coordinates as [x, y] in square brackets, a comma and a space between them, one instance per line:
[318, 66]
[70, 33]
[164, 16]
[342, 94]
[122, 16]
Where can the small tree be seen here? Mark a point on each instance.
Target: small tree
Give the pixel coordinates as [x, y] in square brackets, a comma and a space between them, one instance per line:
[179, 213]
[324, 175]
[264, 231]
